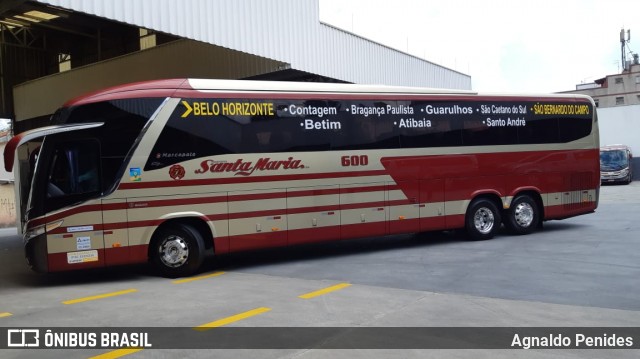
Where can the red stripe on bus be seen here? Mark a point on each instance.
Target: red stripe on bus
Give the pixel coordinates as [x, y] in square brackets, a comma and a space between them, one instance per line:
[235, 243]
[252, 214]
[154, 88]
[225, 244]
[315, 209]
[177, 202]
[552, 212]
[251, 179]
[389, 187]
[374, 205]
[114, 206]
[257, 196]
[204, 200]
[244, 215]
[568, 210]
[77, 210]
[207, 200]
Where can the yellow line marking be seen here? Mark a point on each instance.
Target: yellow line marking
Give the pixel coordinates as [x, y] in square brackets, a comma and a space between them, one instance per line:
[106, 295]
[5, 314]
[231, 319]
[117, 353]
[186, 280]
[324, 291]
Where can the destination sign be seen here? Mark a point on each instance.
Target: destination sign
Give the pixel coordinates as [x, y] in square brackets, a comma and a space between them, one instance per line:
[219, 126]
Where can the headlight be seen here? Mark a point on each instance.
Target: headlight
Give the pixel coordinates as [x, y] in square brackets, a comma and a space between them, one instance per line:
[36, 231]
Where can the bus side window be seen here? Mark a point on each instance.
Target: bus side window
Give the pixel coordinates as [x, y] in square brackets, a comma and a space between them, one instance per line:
[75, 169]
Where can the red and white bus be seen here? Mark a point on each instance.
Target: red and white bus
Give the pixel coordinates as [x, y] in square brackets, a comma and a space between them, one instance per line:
[164, 171]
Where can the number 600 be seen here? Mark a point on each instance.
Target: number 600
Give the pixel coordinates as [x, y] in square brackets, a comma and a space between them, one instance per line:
[361, 160]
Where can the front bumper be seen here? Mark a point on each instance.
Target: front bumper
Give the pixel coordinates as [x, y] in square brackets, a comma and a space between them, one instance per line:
[35, 250]
[615, 176]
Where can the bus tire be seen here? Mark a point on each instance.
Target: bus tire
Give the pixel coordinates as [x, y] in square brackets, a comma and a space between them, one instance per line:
[482, 219]
[177, 250]
[523, 215]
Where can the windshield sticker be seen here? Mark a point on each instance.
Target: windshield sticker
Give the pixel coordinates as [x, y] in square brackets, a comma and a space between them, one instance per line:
[135, 174]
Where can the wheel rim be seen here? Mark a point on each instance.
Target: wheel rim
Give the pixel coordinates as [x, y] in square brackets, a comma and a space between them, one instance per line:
[483, 220]
[523, 214]
[173, 251]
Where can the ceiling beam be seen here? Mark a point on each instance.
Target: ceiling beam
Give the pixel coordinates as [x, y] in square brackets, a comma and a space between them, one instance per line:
[45, 25]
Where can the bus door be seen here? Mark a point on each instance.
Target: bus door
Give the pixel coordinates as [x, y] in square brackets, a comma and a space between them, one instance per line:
[71, 186]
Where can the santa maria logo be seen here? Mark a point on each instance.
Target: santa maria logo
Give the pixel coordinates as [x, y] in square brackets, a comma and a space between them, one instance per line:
[177, 172]
[246, 168]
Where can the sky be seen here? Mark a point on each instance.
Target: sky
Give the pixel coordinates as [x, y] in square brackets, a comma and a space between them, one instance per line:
[513, 46]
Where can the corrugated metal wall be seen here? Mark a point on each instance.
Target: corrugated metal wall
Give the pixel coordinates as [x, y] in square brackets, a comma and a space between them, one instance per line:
[283, 30]
[371, 62]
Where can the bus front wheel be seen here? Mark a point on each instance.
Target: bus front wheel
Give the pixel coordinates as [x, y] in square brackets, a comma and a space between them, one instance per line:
[483, 219]
[523, 215]
[177, 250]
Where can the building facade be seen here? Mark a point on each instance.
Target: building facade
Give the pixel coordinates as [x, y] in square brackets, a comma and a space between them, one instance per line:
[614, 90]
[617, 98]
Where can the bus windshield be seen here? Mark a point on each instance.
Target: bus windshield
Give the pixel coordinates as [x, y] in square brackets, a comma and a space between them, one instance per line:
[613, 160]
[78, 165]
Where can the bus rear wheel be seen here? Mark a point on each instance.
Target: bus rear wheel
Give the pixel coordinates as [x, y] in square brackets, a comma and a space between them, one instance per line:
[177, 250]
[523, 215]
[483, 219]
